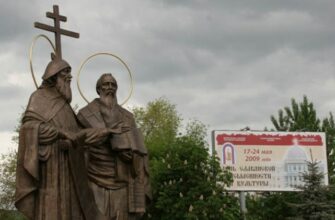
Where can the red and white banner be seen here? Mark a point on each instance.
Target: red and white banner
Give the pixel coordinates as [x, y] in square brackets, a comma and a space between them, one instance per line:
[269, 161]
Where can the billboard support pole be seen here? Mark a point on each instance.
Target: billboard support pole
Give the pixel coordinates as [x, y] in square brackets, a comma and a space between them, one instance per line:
[243, 206]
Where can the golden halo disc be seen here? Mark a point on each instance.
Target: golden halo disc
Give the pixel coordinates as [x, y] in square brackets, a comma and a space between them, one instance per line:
[107, 54]
[31, 54]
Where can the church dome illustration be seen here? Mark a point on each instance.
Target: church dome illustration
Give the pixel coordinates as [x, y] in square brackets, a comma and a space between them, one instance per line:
[296, 153]
[295, 164]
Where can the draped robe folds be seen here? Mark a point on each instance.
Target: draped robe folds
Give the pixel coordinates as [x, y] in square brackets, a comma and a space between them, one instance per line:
[109, 175]
[51, 182]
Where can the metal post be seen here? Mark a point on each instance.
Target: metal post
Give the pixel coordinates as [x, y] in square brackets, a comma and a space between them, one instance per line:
[243, 206]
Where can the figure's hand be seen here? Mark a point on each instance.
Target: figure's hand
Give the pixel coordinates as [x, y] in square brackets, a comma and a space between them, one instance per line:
[67, 135]
[119, 130]
[125, 129]
[64, 144]
[96, 135]
[77, 139]
[126, 156]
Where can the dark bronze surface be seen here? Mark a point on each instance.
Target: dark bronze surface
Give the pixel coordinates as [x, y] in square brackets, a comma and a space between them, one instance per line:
[51, 177]
[93, 166]
[52, 181]
[117, 166]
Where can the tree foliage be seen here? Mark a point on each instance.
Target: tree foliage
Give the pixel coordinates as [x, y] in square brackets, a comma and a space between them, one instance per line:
[328, 126]
[7, 184]
[187, 181]
[8, 173]
[303, 117]
[271, 205]
[300, 116]
[11, 215]
[159, 122]
[316, 199]
[7, 180]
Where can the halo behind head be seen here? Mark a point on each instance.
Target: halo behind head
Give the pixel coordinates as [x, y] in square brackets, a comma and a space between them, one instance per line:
[108, 54]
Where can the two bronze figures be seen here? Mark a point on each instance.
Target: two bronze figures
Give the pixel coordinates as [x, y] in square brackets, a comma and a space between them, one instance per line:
[93, 165]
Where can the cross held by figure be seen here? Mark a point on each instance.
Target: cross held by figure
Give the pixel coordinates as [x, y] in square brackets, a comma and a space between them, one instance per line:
[56, 29]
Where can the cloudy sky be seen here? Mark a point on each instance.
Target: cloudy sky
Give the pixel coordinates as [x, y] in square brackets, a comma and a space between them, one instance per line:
[228, 63]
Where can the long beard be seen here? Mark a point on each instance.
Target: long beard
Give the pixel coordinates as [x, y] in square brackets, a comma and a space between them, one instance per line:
[108, 99]
[109, 113]
[64, 88]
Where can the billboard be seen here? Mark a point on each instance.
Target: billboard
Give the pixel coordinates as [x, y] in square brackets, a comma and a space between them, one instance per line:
[269, 161]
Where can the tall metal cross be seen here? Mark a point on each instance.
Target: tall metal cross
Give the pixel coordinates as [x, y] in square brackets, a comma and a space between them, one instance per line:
[56, 29]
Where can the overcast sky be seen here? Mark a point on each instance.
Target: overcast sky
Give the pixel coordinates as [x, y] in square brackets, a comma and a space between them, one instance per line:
[228, 63]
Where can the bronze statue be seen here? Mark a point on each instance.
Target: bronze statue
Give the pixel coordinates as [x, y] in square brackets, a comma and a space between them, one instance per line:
[51, 175]
[118, 165]
[51, 180]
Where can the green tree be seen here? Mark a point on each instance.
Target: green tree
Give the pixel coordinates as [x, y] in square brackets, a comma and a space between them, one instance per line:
[7, 184]
[7, 180]
[159, 122]
[270, 205]
[187, 182]
[303, 117]
[316, 199]
[297, 117]
[8, 174]
[7, 187]
[11, 215]
[328, 126]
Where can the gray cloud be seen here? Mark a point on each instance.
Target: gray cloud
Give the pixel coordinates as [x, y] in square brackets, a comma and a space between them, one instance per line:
[228, 63]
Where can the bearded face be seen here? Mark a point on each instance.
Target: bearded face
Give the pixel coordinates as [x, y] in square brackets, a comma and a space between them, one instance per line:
[107, 90]
[63, 84]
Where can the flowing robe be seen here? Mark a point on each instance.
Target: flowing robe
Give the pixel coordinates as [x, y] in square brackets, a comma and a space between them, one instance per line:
[111, 178]
[51, 182]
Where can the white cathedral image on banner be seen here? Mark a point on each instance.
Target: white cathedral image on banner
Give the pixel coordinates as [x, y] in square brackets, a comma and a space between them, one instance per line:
[269, 161]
